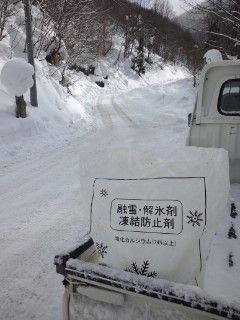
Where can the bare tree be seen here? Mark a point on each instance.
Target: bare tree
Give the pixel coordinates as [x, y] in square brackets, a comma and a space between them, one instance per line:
[164, 8]
[221, 23]
[28, 25]
[6, 11]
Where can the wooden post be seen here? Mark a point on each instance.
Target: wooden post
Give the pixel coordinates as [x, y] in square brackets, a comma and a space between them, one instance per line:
[28, 22]
[20, 107]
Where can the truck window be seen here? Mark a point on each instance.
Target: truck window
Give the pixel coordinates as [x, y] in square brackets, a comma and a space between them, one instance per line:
[229, 98]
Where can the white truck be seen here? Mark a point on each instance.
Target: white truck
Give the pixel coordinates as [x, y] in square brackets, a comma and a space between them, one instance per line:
[215, 122]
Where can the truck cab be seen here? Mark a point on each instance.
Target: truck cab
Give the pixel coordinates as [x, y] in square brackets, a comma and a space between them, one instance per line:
[215, 121]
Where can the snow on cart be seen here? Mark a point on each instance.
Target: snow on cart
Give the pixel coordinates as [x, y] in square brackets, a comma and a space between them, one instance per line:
[153, 220]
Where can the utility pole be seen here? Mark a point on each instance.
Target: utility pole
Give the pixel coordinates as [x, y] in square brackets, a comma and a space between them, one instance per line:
[28, 22]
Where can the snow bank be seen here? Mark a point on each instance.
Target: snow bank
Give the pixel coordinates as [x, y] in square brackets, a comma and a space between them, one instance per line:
[58, 117]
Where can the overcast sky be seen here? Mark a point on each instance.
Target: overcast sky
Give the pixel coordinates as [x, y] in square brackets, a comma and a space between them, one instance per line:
[178, 6]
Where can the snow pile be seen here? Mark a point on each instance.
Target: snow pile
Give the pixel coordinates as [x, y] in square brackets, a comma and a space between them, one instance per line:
[213, 55]
[16, 76]
[58, 117]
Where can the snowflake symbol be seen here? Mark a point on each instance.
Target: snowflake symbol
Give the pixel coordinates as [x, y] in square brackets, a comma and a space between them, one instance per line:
[143, 270]
[103, 193]
[195, 218]
[101, 249]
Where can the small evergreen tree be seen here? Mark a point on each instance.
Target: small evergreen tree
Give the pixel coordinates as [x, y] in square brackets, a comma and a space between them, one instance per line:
[139, 60]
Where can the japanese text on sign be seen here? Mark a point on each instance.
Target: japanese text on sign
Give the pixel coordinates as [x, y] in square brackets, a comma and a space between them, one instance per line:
[151, 216]
[143, 241]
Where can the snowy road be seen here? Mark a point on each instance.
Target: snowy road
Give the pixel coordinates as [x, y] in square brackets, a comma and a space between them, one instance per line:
[39, 199]
[39, 217]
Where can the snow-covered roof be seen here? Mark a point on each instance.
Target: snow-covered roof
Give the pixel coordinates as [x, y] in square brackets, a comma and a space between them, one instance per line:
[220, 63]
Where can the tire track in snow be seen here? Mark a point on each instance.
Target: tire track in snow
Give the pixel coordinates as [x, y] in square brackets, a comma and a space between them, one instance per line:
[105, 115]
[123, 115]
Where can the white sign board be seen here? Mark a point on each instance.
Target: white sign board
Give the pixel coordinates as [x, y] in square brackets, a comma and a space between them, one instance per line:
[162, 227]
[158, 226]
